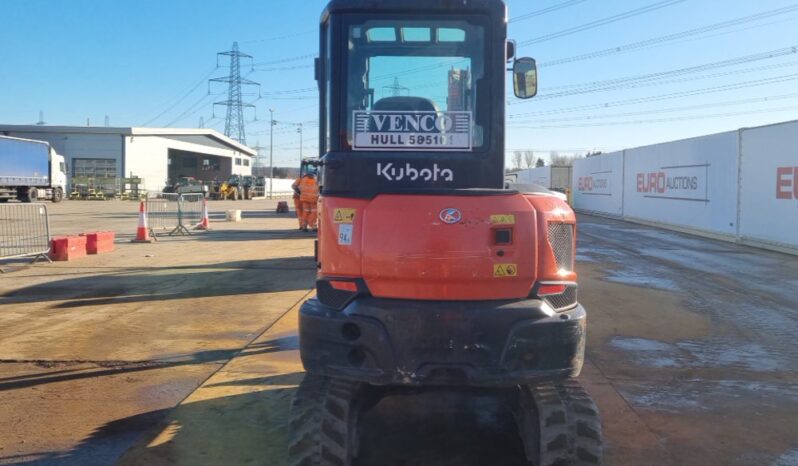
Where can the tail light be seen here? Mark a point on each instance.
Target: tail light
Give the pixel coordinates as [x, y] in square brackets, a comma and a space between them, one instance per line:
[337, 293]
[551, 289]
[560, 296]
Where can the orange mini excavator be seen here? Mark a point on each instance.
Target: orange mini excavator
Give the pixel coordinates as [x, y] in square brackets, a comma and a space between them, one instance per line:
[431, 271]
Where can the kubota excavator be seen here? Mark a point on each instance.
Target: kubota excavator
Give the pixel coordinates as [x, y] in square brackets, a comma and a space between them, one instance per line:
[431, 271]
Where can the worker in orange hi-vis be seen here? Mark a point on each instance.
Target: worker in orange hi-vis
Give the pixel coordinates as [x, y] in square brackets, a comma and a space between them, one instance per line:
[297, 202]
[309, 197]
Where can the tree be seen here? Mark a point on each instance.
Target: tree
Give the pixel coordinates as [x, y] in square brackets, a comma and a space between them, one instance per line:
[555, 159]
[540, 162]
[529, 158]
[517, 157]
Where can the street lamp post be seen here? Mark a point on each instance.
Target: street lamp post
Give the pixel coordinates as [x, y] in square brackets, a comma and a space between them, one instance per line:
[271, 152]
[299, 130]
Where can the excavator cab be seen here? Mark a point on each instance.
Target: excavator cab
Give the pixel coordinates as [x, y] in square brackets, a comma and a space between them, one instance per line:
[309, 166]
[431, 271]
[412, 87]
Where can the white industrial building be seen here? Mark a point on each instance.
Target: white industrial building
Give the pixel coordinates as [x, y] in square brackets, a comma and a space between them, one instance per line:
[155, 155]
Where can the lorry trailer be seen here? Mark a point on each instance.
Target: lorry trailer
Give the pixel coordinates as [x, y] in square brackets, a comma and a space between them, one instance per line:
[30, 171]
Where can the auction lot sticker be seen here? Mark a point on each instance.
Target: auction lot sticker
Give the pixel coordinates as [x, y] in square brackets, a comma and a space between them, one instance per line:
[427, 131]
[345, 234]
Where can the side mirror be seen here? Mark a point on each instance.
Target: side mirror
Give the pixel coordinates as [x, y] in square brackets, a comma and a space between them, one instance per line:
[525, 78]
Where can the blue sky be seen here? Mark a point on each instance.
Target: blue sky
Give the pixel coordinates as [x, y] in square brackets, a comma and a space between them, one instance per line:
[135, 60]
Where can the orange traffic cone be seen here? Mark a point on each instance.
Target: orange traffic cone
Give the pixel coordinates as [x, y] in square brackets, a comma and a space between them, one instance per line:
[143, 231]
[205, 223]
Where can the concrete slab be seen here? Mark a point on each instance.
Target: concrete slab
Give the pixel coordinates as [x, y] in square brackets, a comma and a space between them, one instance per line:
[94, 352]
[189, 356]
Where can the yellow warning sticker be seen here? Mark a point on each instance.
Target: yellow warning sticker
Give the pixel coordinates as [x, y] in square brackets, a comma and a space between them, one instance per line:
[344, 215]
[502, 219]
[505, 270]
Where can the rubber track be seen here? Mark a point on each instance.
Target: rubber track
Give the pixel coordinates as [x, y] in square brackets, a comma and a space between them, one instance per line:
[569, 427]
[322, 426]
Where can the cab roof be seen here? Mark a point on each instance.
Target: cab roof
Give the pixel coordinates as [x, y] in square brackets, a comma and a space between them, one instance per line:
[491, 7]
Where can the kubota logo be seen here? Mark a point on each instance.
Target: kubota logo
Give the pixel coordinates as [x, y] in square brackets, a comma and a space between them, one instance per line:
[391, 173]
[450, 216]
[787, 183]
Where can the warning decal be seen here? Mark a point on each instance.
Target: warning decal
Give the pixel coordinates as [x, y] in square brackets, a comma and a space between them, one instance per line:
[502, 219]
[344, 215]
[505, 270]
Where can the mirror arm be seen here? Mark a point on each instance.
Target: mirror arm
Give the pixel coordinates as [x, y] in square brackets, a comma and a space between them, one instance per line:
[510, 50]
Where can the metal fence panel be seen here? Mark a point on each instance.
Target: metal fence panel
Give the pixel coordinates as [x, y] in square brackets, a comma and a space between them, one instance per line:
[263, 192]
[162, 213]
[190, 209]
[24, 231]
[174, 214]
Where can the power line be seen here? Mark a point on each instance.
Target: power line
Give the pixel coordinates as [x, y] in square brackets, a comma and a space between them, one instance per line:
[282, 37]
[286, 60]
[637, 81]
[543, 11]
[601, 22]
[670, 37]
[729, 103]
[296, 98]
[284, 68]
[194, 108]
[181, 99]
[637, 85]
[521, 17]
[781, 52]
[663, 120]
[672, 95]
[290, 91]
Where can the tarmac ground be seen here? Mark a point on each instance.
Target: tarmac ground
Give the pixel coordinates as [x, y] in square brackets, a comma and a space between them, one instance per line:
[184, 351]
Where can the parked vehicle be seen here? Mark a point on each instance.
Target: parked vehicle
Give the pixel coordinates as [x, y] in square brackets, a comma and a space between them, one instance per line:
[187, 185]
[30, 171]
[430, 272]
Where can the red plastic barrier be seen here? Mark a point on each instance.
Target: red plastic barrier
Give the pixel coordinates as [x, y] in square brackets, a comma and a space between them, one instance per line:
[66, 248]
[99, 242]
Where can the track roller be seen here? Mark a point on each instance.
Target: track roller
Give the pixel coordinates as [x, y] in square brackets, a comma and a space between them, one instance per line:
[323, 430]
[559, 424]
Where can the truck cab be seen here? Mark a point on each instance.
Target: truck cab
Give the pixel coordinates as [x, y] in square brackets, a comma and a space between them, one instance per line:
[58, 180]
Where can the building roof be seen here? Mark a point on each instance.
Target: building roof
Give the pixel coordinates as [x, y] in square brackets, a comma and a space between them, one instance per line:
[32, 141]
[132, 131]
